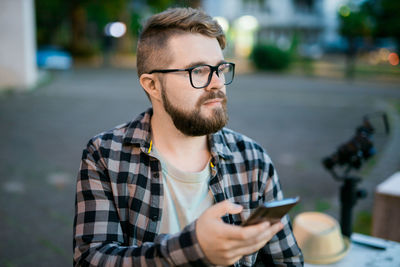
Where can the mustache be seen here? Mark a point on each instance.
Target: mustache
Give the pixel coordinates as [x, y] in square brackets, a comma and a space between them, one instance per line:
[212, 95]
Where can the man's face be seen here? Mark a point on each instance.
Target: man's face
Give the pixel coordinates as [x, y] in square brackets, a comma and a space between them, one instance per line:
[195, 112]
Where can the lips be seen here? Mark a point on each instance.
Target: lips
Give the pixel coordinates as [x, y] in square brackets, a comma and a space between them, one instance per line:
[215, 100]
[212, 98]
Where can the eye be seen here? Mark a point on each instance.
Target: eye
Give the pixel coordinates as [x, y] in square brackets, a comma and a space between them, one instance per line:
[201, 70]
[224, 67]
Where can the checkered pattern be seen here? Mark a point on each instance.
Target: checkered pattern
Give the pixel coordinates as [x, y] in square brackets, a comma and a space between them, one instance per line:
[119, 200]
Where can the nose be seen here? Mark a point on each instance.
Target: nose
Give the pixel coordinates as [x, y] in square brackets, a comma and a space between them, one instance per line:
[216, 81]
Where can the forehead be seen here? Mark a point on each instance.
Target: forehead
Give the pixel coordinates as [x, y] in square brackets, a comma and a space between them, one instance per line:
[192, 48]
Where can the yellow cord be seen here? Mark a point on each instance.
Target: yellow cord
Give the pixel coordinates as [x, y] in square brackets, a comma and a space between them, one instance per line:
[151, 145]
[212, 165]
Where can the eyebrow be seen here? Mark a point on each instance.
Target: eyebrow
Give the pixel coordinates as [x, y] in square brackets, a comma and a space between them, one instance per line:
[197, 63]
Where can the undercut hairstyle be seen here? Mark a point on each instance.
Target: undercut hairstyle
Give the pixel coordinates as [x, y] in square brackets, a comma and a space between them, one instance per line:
[152, 49]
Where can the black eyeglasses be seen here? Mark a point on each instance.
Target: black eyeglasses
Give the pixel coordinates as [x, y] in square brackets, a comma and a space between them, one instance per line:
[200, 76]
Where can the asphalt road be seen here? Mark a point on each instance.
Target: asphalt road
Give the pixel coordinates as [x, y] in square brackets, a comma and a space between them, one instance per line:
[298, 120]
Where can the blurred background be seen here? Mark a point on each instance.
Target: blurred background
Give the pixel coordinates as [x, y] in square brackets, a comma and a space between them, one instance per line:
[308, 71]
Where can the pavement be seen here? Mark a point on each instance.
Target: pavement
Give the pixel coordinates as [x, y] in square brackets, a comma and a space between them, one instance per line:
[299, 120]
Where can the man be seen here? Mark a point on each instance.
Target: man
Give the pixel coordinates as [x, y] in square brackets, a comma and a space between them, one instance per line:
[161, 190]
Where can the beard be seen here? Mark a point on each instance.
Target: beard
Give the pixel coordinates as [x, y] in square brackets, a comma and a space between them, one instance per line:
[192, 123]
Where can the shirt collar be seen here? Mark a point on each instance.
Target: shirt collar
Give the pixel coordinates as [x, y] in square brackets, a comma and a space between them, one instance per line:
[139, 132]
[219, 146]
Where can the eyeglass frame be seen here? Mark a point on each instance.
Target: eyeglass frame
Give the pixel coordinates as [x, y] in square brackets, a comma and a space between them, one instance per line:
[213, 69]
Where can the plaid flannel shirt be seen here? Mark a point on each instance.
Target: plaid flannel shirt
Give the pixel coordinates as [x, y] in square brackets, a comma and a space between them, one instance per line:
[119, 200]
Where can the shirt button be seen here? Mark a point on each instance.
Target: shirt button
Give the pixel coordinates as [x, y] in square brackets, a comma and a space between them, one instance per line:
[156, 175]
[154, 218]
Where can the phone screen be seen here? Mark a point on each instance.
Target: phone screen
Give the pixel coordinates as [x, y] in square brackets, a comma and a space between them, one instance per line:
[271, 211]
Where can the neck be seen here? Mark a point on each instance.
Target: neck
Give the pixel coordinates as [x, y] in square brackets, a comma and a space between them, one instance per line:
[186, 153]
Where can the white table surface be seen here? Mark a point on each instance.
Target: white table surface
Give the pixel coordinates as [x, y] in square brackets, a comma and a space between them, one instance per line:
[361, 255]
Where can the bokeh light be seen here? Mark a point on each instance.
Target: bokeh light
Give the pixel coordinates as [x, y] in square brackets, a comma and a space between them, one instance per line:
[393, 59]
[115, 29]
[344, 11]
[383, 54]
[245, 28]
[247, 23]
[223, 22]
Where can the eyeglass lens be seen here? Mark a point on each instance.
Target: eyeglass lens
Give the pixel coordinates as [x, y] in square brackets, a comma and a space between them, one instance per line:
[201, 74]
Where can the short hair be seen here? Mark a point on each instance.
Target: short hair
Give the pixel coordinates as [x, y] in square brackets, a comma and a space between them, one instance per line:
[159, 28]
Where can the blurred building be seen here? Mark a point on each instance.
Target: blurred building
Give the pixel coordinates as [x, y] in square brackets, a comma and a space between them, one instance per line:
[313, 24]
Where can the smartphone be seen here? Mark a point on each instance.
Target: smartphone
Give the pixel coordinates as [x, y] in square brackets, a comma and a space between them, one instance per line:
[271, 211]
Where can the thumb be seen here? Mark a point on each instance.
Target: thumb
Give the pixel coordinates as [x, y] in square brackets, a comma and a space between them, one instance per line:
[223, 208]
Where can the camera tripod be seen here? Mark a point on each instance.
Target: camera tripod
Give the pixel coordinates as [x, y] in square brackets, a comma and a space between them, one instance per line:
[349, 194]
[352, 155]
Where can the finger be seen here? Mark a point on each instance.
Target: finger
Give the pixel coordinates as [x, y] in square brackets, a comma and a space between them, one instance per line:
[267, 235]
[255, 230]
[235, 249]
[223, 208]
[276, 227]
[243, 233]
[251, 246]
[249, 249]
[261, 236]
[241, 250]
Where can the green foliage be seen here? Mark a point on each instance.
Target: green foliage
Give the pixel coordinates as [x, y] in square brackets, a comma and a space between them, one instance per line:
[104, 11]
[355, 22]
[50, 17]
[77, 25]
[322, 205]
[388, 19]
[397, 105]
[8, 263]
[135, 25]
[372, 18]
[159, 5]
[270, 57]
[363, 223]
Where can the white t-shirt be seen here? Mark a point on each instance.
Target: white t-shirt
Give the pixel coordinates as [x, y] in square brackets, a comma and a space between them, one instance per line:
[186, 196]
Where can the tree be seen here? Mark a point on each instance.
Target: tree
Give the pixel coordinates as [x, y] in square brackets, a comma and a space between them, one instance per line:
[356, 24]
[80, 23]
[50, 16]
[71, 18]
[387, 19]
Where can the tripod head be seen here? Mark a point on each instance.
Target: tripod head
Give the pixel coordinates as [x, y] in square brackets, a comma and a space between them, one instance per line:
[357, 150]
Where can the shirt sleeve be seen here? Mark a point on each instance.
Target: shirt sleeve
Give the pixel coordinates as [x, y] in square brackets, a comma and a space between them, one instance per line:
[98, 235]
[282, 249]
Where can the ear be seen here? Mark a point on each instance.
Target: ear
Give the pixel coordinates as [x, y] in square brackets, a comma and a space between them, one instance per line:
[151, 85]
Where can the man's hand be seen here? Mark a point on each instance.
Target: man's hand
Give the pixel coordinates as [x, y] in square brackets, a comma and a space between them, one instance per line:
[224, 244]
